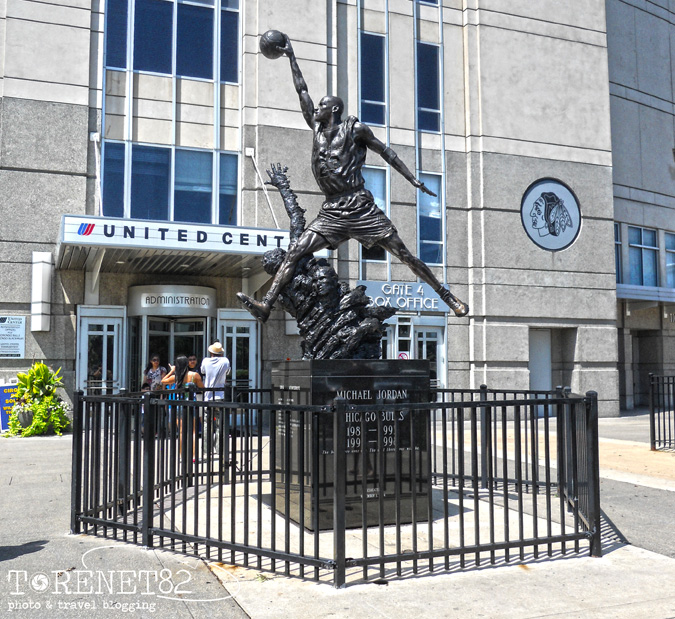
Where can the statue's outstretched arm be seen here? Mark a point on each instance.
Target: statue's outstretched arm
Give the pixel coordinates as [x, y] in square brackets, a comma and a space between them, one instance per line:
[365, 135]
[279, 179]
[306, 103]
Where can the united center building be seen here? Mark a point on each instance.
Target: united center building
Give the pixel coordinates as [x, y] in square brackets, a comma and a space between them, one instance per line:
[134, 140]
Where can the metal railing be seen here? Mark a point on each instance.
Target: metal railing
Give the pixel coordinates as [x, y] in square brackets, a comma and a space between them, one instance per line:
[468, 478]
[662, 412]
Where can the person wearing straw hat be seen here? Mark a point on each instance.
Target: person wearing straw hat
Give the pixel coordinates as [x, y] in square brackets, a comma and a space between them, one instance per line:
[215, 368]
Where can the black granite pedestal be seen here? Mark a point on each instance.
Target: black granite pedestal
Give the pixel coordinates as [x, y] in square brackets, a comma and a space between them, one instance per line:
[394, 448]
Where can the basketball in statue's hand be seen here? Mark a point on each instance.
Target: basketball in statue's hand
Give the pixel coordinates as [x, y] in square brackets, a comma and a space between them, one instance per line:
[272, 44]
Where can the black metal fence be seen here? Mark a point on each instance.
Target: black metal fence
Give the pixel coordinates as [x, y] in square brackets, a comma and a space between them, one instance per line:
[662, 412]
[476, 476]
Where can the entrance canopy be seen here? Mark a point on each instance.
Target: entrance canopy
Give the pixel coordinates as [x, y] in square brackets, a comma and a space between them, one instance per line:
[113, 245]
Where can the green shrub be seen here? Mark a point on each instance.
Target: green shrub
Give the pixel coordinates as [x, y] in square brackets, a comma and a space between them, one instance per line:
[38, 382]
[38, 410]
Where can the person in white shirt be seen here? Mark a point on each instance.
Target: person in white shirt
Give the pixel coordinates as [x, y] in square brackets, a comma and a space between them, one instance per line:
[215, 368]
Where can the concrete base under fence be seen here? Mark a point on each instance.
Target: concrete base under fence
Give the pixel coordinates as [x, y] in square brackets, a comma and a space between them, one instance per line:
[464, 519]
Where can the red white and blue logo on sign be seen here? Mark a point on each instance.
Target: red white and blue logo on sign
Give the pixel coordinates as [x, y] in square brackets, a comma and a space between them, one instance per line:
[85, 229]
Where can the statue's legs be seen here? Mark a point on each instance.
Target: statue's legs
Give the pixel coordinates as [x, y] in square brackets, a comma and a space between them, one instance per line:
[394, 245]
[308, 243]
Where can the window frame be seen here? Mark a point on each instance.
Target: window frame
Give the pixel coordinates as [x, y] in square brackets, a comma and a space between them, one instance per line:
[104, 149]
[138, 146]
[203, 6]
[132, 33]
[642, 247]
[107, 31]
[383, 104]
[617, 253]
[419, 82]
[239, 42]
[216, 157]
[385, 199]
[218, 7]
[669, 254]
[237, 189]
[179, 151]
[421, 198]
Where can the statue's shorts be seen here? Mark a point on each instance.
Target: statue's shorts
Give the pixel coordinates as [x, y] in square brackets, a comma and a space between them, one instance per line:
[352, 216]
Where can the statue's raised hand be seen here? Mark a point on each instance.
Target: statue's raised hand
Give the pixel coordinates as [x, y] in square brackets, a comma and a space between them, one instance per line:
[278, 176]
[288, 48]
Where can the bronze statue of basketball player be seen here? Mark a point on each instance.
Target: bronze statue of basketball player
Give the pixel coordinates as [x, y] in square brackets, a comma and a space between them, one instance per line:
[349, 211]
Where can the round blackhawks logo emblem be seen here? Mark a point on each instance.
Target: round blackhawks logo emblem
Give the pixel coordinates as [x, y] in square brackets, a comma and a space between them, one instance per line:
[550, 214]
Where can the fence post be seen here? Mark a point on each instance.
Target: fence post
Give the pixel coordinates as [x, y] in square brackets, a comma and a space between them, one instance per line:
[594, 471]
[339, 491]
[652, 413]
[148, 490]
[76, 471]
[123, 440]
[484, 428]
[190, 419]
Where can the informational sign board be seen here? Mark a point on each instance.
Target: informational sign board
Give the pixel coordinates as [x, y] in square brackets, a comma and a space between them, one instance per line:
[172, 300]
[131, 233]
[12, 337]
[7, 399]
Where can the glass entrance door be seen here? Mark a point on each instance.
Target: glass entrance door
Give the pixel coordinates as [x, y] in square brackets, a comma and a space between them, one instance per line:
[238, 339]
[171, 337]
[100, 355]
[429, 346]
[410, 338]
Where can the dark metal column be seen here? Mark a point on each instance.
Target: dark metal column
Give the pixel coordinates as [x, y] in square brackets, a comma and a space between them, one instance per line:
[339, 491]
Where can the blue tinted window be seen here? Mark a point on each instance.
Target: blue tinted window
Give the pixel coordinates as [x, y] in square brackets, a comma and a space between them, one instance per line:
[428, 90]
[372, 78]
[373, 113]
[376, 180]
[194, 42]
[428, 121]
[431, 254]
[651, 268]
[430, 221]
[670, 241]
[153, 27]
[642, 257]
[670, 260]
[227, 194]
[634, 236]
[113, 180]
[116, 34]
[229, 46]
[150, 173]
[192, 193]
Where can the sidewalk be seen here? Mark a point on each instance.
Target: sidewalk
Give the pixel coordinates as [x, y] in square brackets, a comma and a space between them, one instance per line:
[46, 572]
[34, 519]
